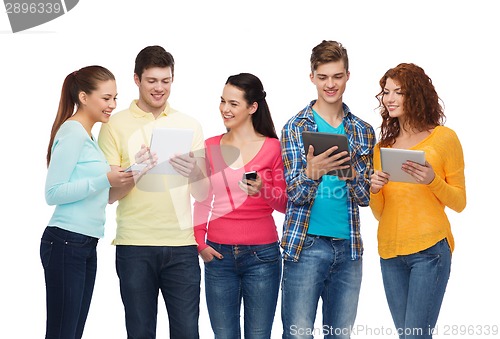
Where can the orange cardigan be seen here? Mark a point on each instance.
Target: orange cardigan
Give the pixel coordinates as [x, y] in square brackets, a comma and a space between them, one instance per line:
[412, 216]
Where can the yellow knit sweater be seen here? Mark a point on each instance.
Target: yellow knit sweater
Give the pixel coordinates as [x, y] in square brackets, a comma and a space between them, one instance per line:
[412, 216]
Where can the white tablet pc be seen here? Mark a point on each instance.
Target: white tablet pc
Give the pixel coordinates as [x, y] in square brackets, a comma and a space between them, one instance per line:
[393, 158]
[166, 142]
[322, 142]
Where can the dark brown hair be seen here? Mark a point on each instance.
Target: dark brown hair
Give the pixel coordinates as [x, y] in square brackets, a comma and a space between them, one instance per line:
[422, 106]
[254, 92]
[153, 56]
[85, 80]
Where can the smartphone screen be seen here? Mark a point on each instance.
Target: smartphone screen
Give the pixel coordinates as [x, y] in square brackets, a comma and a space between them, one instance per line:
[135, 167]
[252, 175]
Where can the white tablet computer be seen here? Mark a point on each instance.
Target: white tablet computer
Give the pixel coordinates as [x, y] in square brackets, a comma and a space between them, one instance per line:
[166, 142]
[393, 158]
[322, 142]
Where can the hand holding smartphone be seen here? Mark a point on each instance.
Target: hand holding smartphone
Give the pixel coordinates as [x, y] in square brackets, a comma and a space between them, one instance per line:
[135, 168]
[252, 175]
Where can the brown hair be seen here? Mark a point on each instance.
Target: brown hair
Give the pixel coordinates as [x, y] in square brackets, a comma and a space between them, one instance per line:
[328, 51]
[85, 80]
[153, 56]
[421, 104]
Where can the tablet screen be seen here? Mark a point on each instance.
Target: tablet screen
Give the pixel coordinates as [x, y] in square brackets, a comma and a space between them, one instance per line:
[393, 158]
[166, 142]
[322, 142]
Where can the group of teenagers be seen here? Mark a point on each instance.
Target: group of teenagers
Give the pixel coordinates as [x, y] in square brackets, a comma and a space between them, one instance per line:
[161, 234]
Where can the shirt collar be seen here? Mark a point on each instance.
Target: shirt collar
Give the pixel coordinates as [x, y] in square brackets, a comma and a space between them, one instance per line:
[307, 113]
[139, 113]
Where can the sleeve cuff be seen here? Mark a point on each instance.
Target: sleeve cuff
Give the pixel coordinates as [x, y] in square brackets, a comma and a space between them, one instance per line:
[100, 183]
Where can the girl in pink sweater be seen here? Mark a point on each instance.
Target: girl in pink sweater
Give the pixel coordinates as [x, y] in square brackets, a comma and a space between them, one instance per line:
[234, 226]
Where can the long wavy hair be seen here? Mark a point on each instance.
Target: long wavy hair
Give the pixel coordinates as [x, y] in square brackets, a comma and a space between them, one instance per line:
[421, 104]
[86, 80]
[254, 92]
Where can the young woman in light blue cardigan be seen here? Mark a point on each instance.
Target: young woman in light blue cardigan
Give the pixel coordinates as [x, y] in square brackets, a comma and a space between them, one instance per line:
[78, 183]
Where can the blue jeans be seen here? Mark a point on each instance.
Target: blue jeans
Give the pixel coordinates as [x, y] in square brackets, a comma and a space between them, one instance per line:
[70, 262]
[324, 270]
[144, 271]
[251, 273]
[414, 287]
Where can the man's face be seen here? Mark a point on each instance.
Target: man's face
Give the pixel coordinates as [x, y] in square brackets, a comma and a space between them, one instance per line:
[330, 80]
[154, 88]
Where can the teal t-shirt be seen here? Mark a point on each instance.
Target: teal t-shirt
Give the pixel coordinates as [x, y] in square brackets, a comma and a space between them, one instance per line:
[329, 213]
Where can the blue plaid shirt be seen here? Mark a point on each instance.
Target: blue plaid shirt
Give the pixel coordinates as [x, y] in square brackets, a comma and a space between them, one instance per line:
[302, 190]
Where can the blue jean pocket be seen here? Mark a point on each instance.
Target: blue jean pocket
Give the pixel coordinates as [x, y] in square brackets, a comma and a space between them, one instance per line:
[45, 252]
[269, 254]
[308, 242]
[214, 260]
[437, 249]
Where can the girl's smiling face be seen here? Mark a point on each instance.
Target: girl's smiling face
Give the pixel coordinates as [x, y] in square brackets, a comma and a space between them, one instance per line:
[393, 99]
[234, 109]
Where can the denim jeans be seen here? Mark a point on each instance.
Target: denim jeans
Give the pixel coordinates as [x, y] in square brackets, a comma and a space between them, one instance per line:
[143, 272]
[414, 287]
[69, 261]
[324, 270]
[251, 273]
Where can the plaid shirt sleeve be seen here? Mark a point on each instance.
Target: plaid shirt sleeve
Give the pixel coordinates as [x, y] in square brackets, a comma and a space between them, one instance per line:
[362, 140]
[301, 190]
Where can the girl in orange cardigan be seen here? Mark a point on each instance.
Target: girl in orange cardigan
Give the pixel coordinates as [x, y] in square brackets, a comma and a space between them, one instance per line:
[414, 235]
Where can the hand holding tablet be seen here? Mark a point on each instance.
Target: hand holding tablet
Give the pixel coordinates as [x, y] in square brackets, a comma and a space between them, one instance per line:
[165, 143]
[392, 160]
[324, 141]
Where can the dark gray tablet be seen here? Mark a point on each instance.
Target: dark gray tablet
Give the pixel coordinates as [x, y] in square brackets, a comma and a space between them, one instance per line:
[322, 142]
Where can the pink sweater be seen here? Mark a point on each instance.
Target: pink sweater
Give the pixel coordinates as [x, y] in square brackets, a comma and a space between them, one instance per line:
[235, 217]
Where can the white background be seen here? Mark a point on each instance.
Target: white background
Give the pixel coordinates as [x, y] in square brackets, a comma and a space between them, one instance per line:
[456, 42]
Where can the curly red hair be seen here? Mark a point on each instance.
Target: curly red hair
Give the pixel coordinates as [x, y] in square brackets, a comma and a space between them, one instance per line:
[421, 105]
